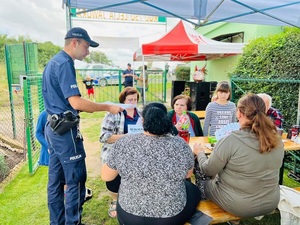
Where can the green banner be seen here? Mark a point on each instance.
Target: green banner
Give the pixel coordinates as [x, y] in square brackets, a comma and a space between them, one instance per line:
[114, 16]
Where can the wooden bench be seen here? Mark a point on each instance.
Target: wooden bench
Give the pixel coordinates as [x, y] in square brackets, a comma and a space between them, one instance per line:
[219, 215]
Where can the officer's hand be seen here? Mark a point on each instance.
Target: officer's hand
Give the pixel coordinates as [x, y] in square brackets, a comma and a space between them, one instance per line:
[114, 109]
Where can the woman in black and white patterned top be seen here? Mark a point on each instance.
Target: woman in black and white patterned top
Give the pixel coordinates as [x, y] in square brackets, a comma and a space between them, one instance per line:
[113, 127]
[153, 167]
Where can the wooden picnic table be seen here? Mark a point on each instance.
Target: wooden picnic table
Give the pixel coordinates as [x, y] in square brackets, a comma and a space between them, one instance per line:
[201, 114]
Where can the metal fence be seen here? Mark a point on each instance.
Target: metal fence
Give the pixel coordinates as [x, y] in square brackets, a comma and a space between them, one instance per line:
[108, 83]
[23, 102]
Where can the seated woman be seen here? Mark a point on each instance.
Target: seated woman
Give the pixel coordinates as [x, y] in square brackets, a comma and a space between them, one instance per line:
[153, 167]
[245, 163]
[180, 104]
[113, 127]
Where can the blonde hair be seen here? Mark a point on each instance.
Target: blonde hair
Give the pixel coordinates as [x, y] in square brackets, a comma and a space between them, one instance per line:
[253, 107]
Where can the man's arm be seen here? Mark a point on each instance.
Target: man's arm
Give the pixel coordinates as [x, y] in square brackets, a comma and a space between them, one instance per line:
[276, 116]
[278, 119]
[85, 105]
[127, 75]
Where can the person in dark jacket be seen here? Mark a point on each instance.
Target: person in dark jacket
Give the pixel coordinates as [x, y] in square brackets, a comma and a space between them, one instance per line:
[128, 75]
[40, 136]
[180, 104]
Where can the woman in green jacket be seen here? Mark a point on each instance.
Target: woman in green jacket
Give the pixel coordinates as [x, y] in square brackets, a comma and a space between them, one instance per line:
[181, 104]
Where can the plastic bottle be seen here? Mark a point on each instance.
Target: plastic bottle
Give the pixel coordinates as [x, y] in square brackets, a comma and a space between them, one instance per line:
[185, 121]
[184, 131]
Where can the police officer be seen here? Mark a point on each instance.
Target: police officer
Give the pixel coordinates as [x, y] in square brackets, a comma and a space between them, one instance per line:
[67, 155]
[128, 75]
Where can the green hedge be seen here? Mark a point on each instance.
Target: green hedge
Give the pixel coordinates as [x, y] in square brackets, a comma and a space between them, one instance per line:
[182, 73]
[275, 57]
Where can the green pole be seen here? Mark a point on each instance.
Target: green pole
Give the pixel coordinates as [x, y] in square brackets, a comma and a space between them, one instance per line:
[11, 100]
[27, 123]
[165, 86]
[41, 100]
[232, 90]
[120, 81]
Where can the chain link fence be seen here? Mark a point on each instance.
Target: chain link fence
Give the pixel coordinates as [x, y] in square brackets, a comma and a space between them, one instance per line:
[23, 103]
[108, 84]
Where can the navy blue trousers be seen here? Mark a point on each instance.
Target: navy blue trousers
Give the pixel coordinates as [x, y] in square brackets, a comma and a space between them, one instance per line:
[66, 167]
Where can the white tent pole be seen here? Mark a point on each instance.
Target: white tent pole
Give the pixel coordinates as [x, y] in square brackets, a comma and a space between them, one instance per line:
[68, 17]
[133, 73]
[144, 81]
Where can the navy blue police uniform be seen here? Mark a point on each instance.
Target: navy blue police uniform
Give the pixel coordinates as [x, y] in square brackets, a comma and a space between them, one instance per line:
[129, 79]
[67, 154]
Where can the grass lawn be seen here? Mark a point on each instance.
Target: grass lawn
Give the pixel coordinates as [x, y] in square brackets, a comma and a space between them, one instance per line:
[23, 201]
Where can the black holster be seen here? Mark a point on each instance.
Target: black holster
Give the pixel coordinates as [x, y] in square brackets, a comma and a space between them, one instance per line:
[62, 124]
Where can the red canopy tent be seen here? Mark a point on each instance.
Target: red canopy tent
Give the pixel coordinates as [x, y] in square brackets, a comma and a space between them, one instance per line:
[183, 43]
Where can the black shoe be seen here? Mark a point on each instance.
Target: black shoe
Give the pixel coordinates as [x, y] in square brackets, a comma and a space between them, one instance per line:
[88, 194]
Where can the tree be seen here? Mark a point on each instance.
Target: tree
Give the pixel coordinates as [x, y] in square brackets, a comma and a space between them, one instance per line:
[98, 57]
[46, 51]
[183, 73]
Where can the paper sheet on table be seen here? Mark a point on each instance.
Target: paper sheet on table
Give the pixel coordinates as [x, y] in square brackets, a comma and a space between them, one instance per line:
[226, 130]
[207, 145]
[124, 106]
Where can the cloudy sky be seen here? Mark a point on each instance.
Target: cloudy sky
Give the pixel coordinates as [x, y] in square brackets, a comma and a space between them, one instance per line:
[46, 21]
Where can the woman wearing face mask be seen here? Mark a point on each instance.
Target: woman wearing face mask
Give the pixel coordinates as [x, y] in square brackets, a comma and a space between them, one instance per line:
[113, 127]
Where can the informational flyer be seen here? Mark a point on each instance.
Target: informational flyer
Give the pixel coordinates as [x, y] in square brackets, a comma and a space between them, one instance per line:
[124, 106]
[226, 130]
[135, 129]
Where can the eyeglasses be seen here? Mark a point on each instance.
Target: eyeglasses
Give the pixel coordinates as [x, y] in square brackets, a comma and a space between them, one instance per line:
[131, 99]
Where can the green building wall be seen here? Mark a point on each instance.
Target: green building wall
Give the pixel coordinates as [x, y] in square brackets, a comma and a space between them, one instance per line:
[217, 70]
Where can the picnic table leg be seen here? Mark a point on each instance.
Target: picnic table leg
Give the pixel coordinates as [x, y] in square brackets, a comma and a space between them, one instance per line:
[281, 171]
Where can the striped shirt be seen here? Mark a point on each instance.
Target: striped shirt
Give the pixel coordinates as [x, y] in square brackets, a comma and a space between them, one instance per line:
[218, 116]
